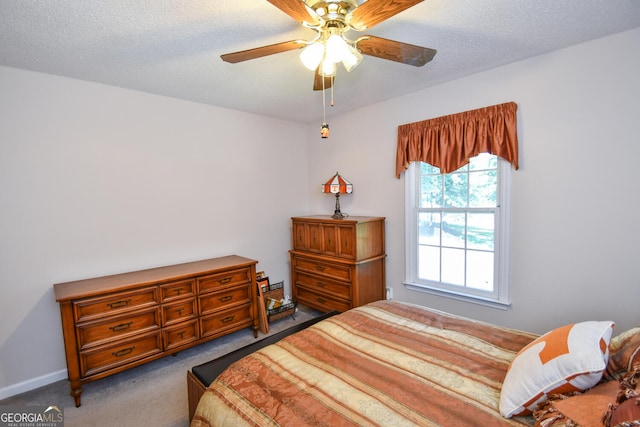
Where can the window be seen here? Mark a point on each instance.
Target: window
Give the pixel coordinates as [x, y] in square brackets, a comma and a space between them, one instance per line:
[458, 230]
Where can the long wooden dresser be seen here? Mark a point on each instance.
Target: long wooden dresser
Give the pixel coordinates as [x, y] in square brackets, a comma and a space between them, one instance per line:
[338, 264]
[116, 322]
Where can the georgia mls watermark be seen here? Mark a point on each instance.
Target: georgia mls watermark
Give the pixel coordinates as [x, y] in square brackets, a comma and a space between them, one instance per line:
[31, 416]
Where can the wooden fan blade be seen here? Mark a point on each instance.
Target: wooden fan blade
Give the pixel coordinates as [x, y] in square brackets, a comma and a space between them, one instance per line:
[394, 50]
[259, 52]
[317, 81]
[297, 10]
[373, 12]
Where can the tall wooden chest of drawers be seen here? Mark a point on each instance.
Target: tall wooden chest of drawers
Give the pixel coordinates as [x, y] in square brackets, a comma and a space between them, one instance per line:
[337, 264]
[114, 323]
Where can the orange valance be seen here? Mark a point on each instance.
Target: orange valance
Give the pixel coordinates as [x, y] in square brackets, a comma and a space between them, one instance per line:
[448, 142]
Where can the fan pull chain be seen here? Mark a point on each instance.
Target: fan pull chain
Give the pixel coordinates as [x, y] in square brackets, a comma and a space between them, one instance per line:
[324, 103]
[333, 83]
[324, 129]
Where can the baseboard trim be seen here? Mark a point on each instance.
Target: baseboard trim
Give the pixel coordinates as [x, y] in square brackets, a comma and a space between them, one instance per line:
[32, 384]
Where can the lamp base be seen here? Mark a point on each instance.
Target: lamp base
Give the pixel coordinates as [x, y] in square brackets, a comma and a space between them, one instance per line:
[336, 213]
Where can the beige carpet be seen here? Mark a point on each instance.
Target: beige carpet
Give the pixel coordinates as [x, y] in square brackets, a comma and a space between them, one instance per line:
[154, 394]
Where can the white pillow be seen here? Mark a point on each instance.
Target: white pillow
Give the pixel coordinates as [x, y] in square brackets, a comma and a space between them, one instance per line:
[570, 358]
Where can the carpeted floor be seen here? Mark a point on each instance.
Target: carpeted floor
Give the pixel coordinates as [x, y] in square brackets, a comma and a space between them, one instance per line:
[154, 394]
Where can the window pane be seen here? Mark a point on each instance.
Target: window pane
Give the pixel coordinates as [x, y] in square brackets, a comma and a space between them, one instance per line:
[456, 189]
[429, 228]
[453, 229]
[480, 270]
[426, 168]
[453, 266]
[480, 231]
[431, 191]
[482, 189]
[429, 262]
[483, 161]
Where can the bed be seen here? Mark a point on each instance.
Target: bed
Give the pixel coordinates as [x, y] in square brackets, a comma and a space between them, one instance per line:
[389, 363]
[385, 363]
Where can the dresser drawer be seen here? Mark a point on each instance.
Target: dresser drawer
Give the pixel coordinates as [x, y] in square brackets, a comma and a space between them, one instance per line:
[181, 334]
[99, 332]
[224, 280]
[176, 290]
[179, 311]
[216, 301]
[111, 356]
[92, 308]
[336, 271]
[219, 322]
[320, 301]
[323, 285]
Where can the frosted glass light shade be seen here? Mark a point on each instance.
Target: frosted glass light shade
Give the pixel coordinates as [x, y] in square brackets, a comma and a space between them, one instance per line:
[336, 48]
[328, 68]
[312, 55]
[352, 58]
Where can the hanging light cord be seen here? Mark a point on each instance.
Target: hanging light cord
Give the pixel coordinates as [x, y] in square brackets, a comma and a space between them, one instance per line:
[324, 102]
[333, 83]
[324, 106]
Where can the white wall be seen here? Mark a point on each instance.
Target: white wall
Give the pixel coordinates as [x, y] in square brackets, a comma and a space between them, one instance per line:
[575, 235]
[97, 180]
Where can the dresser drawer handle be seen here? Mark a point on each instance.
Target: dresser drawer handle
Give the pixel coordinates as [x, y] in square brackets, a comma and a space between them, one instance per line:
[226, 298]
[321, 300]
[179, 311]
[225, 280]
[320, 267]
[178, 290]
[121, 327]
[227, 319]
[123, 352]
[121, 303]
[181, 333]
[321, 284]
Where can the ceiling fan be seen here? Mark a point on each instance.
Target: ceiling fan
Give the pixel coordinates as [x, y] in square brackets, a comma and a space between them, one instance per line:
[331, 19]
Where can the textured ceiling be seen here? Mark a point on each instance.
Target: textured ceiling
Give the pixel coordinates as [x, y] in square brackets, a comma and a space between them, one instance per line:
[173, 48]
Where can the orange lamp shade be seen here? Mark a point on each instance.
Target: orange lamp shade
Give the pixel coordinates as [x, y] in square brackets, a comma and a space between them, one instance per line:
[337, 185]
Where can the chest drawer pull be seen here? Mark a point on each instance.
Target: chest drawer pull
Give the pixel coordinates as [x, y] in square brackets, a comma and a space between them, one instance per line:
[225, 280]
[321, 300]
[179, 311]
[320, 267]
[121, 327]
[121, 303]
[178, 290]
[227, 319]
[226, 298]
[123, 352]
[321, 284]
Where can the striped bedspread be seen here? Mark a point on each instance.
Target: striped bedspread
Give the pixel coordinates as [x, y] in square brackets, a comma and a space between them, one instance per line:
[383, 364]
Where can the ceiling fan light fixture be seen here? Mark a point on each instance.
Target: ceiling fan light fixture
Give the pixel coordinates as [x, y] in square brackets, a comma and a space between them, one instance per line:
[352, 58]
[328, 68]
[336, 48]
[312, 55]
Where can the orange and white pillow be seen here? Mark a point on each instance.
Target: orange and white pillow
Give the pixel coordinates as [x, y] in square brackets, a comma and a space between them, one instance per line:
[567, 359]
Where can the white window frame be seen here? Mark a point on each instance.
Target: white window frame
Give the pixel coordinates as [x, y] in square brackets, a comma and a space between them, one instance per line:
[499, 298]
